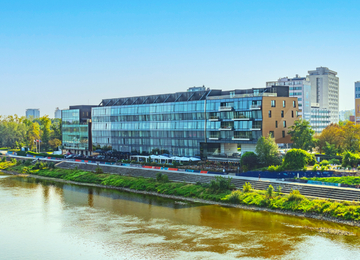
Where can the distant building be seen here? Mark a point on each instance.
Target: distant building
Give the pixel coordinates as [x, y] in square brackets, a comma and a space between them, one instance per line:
[346, 114]
[325, 91]
[357, 102]
[32, 112]
[76, 129]
[57, 113]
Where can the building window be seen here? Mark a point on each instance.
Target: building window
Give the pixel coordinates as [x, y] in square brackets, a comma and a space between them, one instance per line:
[271, 133]
[273, 103]
[284, 103]
[284, 123]
[282, 113]
[276, 124]
[269, 113]
[297, 114]
[283, 134]
[294, 104]
[292, 113]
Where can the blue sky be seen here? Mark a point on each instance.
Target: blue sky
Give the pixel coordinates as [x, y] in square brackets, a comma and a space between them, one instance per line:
[61, 53]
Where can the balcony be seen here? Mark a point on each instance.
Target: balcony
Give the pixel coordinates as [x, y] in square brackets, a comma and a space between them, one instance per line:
[255, 107]
[214, 118]
[240, 138]
[255, 128]
[240, 118]
[226, 128]
[225, 108]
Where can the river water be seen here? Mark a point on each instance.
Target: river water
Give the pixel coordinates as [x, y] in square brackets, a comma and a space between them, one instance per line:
[47, 220]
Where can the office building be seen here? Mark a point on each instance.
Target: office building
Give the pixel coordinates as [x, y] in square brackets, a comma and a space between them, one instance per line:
[76, 129]
[32, 113]
[205, 122]
[325, 91]
[57, 113]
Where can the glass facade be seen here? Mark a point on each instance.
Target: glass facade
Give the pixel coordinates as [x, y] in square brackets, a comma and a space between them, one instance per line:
[178, 127]
[75, 134]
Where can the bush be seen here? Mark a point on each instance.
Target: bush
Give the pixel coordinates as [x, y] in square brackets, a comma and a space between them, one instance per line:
[21, 153]
[27, 162]
[315, 167]
[162, 177]
[334, 161]
[295, 195]
[273, 168]
[296, 159]
[324, 163]
[350, 159]
[247, 187]
[270, 191]
[249, 160]
[220, 184]
[278, 189]
[99, 170]
[3, 159]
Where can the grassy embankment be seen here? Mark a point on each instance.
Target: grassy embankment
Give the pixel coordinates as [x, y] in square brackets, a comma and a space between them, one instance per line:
[218, 190]
[349, 180]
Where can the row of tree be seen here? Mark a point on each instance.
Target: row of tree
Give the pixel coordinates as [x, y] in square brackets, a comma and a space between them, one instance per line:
[334, 139]
[17, 132]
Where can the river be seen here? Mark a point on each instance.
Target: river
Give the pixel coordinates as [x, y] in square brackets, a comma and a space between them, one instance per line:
[47, 220]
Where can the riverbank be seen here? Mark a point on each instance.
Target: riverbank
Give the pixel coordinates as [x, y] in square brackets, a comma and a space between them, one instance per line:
[204, 193]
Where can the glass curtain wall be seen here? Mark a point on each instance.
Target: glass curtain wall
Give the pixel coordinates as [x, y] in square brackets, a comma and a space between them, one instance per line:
[75, 135]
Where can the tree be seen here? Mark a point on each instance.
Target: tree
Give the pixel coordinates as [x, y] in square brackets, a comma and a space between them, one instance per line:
[267, 151]
[248, 161]
[302, 135]
[297, 159]
[331, 139]
[351, 137]
[54, 143]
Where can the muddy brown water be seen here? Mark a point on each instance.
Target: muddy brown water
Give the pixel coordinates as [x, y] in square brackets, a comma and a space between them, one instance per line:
[47, 220]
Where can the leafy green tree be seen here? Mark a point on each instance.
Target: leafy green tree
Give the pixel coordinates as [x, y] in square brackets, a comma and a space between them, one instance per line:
[330, 149]
[248, 161]
[297, 159]
[302, 135]
[267, 151]
[350, 159]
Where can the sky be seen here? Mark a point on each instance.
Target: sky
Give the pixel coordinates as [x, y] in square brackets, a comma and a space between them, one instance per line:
[62, 53]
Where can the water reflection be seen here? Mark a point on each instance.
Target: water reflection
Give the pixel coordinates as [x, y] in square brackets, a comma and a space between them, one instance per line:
[80, 222]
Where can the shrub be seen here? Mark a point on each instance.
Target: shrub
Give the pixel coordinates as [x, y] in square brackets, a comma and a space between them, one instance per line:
[162, 177]
[220, 184]
[3, 159]
[13, 160]
[334, 161]
[98, 170]
[27, 162]
[234, 197]
[315, 167]
[295, 195]
[278, 189]
[296, 159]
[324, 163]
[25, 170]
[275, 168]
[249, 160]
[270, 191]
[247, 187]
